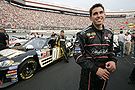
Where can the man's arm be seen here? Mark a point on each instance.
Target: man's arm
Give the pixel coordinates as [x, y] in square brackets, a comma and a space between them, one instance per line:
[7, 43]
[86, 63]
[110, 49]
[7, 39]
[111, 64]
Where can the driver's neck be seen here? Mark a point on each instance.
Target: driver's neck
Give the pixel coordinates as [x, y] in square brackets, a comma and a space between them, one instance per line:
[98, 27]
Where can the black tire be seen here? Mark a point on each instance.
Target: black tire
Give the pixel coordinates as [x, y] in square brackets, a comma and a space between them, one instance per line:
[69, 52]
[27, 69]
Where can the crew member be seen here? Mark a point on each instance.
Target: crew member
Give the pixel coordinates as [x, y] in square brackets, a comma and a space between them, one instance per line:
[4, 39]
[63, 45]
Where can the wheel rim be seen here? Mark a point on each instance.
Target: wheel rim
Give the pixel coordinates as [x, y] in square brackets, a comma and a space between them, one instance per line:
[28, 70]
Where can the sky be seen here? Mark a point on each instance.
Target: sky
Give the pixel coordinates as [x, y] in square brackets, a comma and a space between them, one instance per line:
[110, 5]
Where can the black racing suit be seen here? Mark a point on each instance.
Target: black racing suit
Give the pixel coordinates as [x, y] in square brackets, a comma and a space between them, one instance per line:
[63, 47]
[52, 43]
[132, 75]
[96, 48]
[3, 43]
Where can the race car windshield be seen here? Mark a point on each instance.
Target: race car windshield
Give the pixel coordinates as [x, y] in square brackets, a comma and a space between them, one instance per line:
[37, 43]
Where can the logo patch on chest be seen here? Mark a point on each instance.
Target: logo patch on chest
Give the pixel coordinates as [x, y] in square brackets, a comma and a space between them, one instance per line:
[107, 36]
[91, 35]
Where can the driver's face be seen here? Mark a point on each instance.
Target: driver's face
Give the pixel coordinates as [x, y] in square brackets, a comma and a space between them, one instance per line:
[98, 16]
[62, 33]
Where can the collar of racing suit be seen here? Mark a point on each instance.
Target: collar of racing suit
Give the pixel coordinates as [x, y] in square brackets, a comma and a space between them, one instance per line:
[95, 29]
[100, 33]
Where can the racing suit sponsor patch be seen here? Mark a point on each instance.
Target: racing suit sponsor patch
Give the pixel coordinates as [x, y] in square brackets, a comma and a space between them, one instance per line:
[91, 35]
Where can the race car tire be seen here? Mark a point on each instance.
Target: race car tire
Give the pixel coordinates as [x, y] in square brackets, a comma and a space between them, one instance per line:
[27, 69]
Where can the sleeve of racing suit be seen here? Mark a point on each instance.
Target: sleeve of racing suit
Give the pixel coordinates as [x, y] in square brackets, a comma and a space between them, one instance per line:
[82, 60]
[112, 55]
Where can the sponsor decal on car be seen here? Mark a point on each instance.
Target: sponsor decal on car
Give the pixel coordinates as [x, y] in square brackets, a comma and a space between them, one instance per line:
[45, 53]
[12, 71]
[13, 67]
[9, 53]
[14, 79]
[11, 75]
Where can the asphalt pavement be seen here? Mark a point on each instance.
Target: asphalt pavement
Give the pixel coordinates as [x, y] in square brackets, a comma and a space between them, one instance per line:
[66, 76]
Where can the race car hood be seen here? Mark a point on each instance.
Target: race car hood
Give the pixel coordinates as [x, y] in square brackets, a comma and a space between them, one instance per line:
[9, 53]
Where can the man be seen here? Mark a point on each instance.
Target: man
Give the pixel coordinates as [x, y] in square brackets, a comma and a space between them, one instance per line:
[133, 45]
[4, 39]
[53, 34]
[127, 43]
[96, 58]
[52, 41]
[132, 75]
[63, 45]
[121, 40]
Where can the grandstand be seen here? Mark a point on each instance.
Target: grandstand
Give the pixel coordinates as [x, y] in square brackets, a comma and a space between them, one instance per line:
[34, 15]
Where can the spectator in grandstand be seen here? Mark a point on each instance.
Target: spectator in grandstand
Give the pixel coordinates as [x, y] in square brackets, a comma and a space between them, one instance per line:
[121, 40]
[96, 58]
[19, 18]
[4, 39]
[127, 43]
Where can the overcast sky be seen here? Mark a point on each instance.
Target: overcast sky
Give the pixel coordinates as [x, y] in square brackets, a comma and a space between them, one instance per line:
[110, 5]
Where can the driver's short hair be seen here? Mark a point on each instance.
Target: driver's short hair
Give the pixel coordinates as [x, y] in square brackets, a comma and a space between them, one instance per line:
[95, 6]
[62, 31]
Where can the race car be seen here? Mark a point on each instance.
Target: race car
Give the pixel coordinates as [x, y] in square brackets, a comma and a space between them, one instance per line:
[22, 62]
[14, 40]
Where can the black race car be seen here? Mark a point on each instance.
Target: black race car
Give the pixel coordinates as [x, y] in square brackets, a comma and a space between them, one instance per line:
[21, 62]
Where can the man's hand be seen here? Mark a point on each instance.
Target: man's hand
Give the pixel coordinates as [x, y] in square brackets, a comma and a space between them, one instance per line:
[103, 73]
[111, 66]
